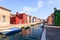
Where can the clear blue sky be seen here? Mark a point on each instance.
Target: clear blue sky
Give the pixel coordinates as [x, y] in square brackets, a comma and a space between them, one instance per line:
[39, 8]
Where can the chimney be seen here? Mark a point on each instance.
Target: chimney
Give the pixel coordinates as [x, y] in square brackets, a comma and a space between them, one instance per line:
[17, 14]
[55, 9]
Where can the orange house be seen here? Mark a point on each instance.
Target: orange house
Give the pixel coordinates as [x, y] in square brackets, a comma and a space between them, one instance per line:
[50, 19]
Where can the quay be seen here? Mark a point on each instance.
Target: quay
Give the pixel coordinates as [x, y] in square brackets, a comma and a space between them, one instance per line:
[52, 33]
[16, 25]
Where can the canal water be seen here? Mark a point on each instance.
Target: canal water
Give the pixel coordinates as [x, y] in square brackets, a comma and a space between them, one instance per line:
[32, 33]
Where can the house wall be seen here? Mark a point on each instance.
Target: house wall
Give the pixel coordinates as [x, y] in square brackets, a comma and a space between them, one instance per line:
[15, 20]
[12, 20]
[28, 19]
[33, 19]
[6, 13]
[57, 17]
[50, 19]
[23, 17]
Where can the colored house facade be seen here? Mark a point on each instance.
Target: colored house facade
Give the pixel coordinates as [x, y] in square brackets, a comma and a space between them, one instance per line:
[4, 16]
[14, 19]
[27, 19]
[50, 19]
[23, 17]
[56, 17]
[19, 18]
[34, 19]
[38, 20]
[30, 19]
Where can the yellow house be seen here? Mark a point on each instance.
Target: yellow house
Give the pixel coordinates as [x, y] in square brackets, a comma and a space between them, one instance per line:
[4, 16]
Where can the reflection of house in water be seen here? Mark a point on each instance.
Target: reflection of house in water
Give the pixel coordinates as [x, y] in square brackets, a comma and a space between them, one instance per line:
[26, 31]
[4, 16]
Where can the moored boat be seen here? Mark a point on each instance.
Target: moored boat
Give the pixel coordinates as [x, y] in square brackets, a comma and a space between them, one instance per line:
[26, 27]
[10, 31]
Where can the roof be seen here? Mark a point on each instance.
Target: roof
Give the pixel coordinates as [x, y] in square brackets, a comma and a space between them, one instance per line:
[24, 13]
[34, 17]
[12, 15]
[5, 8]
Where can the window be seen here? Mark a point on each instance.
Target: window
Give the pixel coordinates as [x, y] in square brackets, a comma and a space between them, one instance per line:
[3, 18]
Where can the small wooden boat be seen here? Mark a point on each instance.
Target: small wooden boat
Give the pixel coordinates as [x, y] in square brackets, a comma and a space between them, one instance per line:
[26, 27]
[32, 24]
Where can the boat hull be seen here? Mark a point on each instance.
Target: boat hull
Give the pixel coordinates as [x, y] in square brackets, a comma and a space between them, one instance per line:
[13, 31]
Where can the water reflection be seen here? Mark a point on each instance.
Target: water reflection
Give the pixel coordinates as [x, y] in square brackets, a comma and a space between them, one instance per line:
[26, 31]
[32, 33]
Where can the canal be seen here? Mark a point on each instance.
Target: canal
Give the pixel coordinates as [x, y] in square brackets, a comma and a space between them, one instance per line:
[31, 33]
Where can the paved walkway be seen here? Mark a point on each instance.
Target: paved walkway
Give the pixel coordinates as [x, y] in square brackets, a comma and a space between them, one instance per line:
[52, 33]
[14, 25]
[52, 26]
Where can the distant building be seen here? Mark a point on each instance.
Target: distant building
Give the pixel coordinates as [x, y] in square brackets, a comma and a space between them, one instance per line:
[4, 16]
[50, 19]
[30, 19]
[54, 19]
[34, 19]
[38, 20]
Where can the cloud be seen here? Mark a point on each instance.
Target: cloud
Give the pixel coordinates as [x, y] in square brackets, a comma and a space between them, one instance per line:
[50, 2]
[30, 9]
[40, 4]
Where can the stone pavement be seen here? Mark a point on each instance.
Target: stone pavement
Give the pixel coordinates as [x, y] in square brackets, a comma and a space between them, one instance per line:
[52, 33]
[52, 26]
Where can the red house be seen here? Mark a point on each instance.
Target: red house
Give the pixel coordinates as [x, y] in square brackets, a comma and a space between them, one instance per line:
[20, 18]
[23, 17]
[14, 19]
